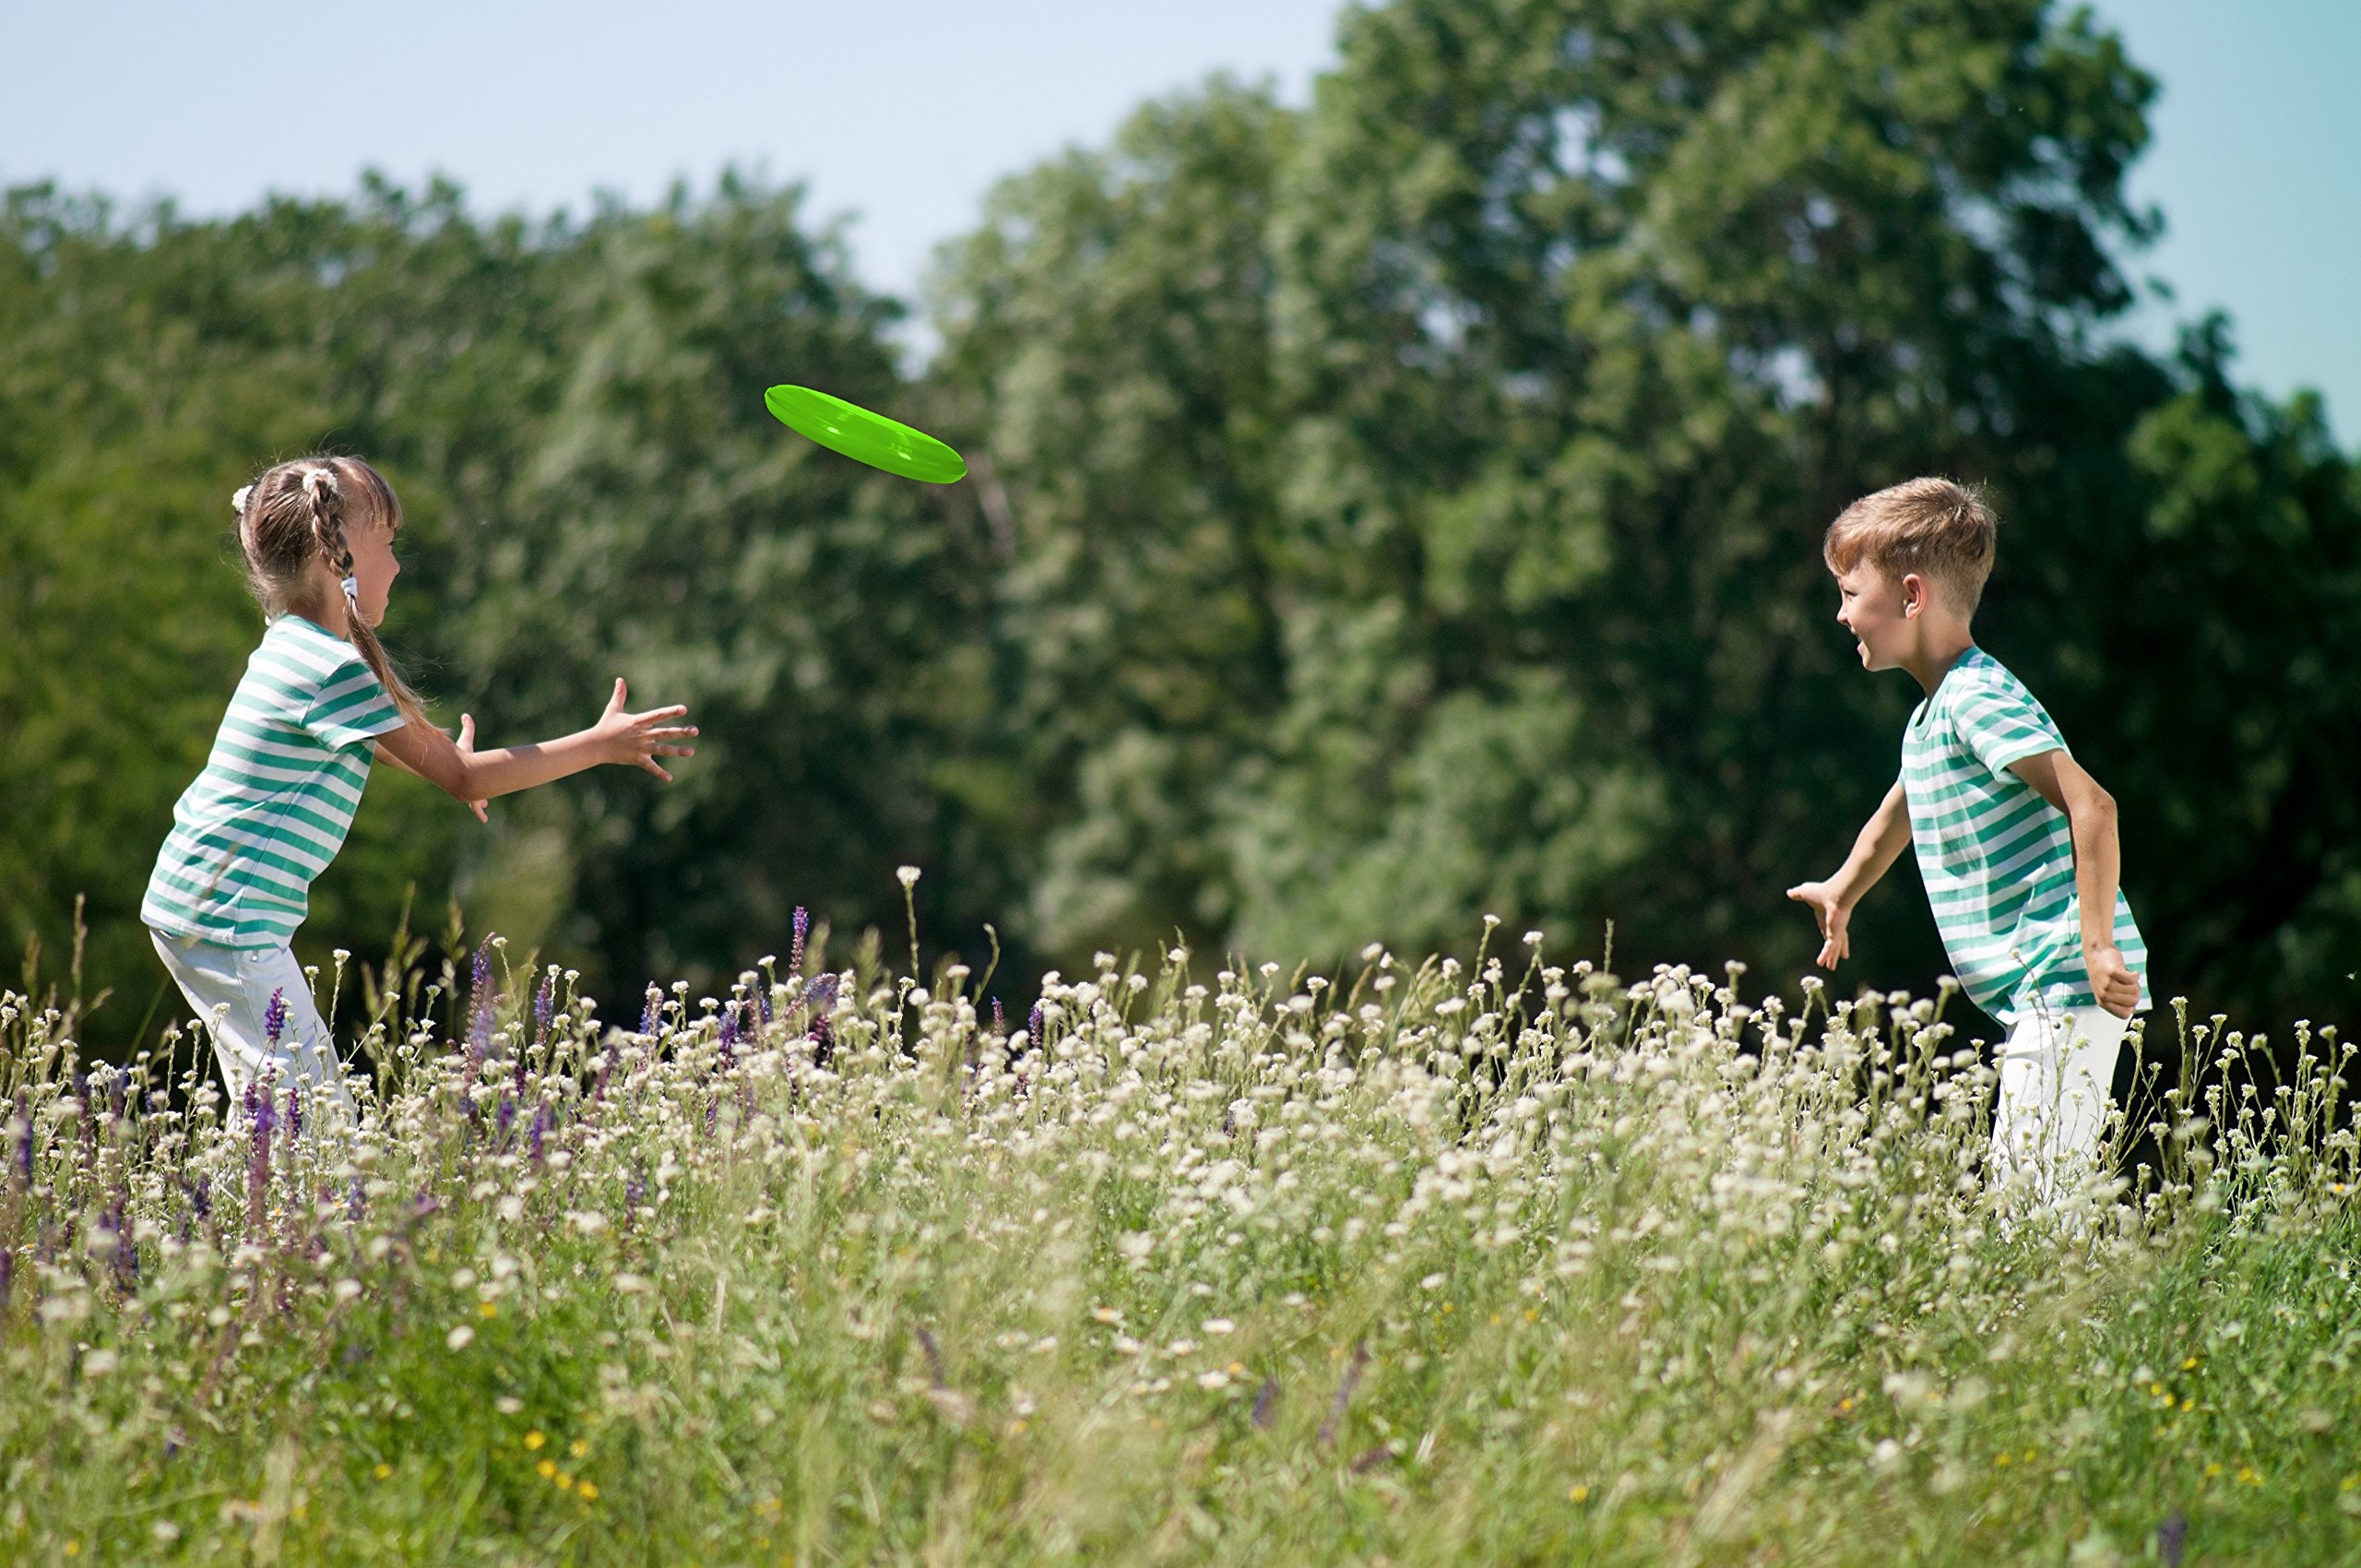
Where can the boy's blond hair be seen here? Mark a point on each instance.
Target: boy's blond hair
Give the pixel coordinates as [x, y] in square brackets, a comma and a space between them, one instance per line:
[1939, 528]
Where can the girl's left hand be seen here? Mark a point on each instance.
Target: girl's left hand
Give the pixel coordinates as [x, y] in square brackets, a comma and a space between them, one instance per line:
[640, 738]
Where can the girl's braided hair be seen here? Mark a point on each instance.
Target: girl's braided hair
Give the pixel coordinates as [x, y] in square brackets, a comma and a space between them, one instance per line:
[296, 512]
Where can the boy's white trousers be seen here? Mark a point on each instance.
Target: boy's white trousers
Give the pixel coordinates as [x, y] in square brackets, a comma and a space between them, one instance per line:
[231, 988]
[2056, 1077]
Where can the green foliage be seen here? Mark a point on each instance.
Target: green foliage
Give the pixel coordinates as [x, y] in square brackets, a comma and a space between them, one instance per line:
[591, 487]
[1383, 513]
[1533, 360]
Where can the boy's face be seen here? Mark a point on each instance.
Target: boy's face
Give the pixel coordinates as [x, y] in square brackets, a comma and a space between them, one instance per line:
[1881, 612]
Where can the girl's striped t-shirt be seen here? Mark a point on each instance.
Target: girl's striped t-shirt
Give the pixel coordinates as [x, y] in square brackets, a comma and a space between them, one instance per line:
[277, 796]
[1996, 859]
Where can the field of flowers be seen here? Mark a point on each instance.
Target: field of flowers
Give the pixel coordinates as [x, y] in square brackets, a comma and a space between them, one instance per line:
[1423, 1263]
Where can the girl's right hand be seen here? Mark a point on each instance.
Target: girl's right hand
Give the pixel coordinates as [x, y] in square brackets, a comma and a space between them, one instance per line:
[466, 744]
[640, 738]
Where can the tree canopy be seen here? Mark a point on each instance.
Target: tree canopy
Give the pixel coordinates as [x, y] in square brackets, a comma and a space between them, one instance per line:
[1384, 513]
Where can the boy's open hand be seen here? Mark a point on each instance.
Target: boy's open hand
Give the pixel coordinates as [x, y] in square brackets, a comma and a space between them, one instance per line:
[1833, 913]
[641, 738]
[2112, 980]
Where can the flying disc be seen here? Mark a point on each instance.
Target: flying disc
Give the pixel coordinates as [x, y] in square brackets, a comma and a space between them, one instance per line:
[864, 436]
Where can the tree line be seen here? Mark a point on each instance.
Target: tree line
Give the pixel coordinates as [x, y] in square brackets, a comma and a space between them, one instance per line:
[1384, 513]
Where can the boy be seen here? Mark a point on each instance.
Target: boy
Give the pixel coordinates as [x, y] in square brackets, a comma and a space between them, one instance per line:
[2016, 843]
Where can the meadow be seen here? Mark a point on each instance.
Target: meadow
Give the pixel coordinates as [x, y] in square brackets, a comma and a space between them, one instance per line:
[1420, 1264]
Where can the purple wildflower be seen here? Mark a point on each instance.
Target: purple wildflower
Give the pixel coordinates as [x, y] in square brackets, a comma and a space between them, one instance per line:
[294, 1112]
[1035, 1026]
[479, 1009]
[544, 1008]
[999, 1019]
[821, 997]
[652, 1015]
[265, 1115]
[274, 1019]
[24, 1152]
[200, 1197]
[634, 1190]
[728, 1036]
[7, 1273]
[541, 1129]
[481, 996]
[763, 1003]
[507, 1114]
[795, 951]
[357, 1201]
[127, 1252]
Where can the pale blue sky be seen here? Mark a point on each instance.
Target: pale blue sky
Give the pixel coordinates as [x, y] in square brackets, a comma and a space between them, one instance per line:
[905, 113]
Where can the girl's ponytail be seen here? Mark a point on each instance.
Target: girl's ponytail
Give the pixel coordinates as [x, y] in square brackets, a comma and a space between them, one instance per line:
[298, 508]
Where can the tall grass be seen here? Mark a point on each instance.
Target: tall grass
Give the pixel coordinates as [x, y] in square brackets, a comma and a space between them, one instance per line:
[1516, 1265]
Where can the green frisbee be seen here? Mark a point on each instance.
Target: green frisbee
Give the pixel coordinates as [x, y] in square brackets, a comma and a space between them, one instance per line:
[864, 436]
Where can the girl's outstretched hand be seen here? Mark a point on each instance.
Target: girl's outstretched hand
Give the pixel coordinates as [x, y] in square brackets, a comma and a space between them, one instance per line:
[641, 738]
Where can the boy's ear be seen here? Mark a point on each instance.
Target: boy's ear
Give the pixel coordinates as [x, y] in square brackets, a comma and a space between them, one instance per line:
[1913, 594]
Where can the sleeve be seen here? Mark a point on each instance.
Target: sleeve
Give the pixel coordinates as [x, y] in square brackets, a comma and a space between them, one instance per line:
[351, 706]
[2001, 727]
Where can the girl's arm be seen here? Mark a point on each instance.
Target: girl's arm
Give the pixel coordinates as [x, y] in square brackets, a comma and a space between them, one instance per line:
[466, 744]
[1882, 841]
[618, 737]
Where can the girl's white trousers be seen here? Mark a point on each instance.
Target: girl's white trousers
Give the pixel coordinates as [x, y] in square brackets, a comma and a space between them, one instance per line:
[231, 988]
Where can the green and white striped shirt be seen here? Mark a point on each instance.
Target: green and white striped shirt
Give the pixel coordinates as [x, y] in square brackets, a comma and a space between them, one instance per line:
[277, 796]
[1996, 859]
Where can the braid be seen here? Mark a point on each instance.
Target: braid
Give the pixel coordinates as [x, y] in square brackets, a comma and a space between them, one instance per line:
[328, 518]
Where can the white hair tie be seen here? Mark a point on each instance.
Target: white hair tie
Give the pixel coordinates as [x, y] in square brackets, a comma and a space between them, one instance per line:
[238, 502]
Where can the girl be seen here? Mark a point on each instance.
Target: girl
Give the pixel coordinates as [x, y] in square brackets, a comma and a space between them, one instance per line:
[271, 809]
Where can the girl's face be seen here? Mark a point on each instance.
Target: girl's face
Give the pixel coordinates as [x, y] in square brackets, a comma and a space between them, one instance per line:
[374, 566]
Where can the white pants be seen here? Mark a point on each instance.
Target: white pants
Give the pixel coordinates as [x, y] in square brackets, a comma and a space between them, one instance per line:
[2056, 1077]
[231, 988]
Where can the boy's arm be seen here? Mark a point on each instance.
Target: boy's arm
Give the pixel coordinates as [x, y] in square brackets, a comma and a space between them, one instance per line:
[2098, 863]
[637, 739]
[1883, 839]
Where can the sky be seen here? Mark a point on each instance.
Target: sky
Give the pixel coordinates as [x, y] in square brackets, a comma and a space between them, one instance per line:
[903, 116]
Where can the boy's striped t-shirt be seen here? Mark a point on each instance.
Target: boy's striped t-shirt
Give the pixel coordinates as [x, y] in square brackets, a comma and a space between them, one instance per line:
[278, 795]
[1998, 860]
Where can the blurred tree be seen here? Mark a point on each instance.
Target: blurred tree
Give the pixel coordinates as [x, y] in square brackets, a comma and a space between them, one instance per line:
[1386, 513]
[822, 621]
[572, 414]
[1106, 346]
[1516, 381]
